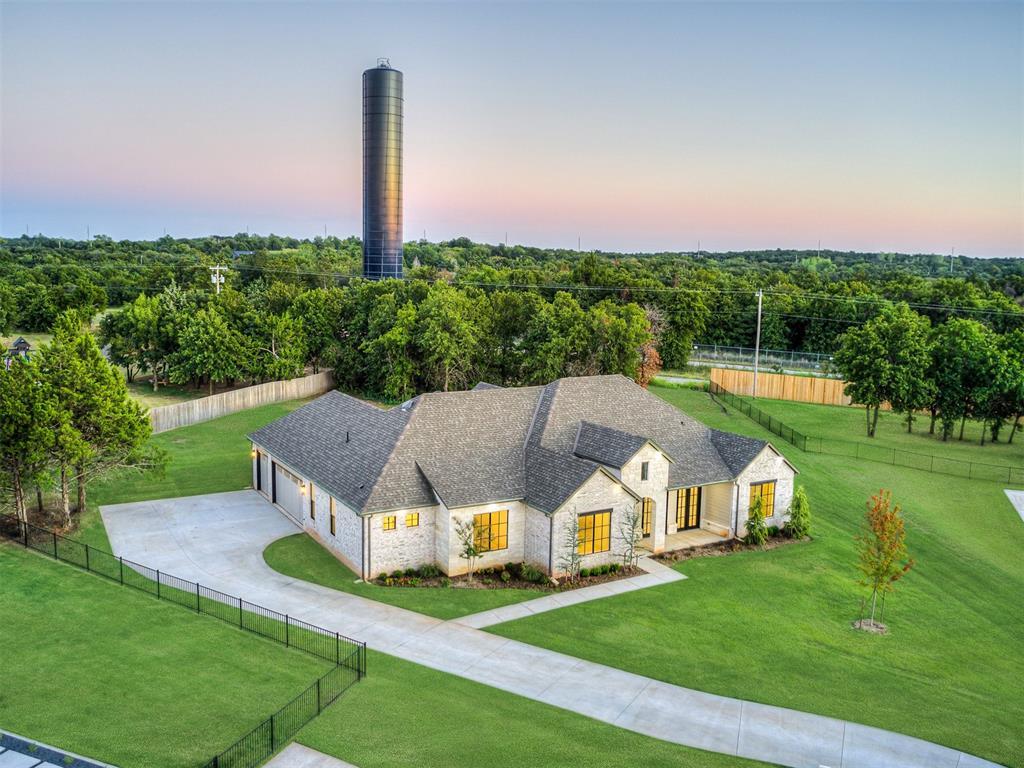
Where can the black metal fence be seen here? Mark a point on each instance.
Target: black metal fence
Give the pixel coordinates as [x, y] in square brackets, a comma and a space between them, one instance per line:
[972, 470]
[347, 655]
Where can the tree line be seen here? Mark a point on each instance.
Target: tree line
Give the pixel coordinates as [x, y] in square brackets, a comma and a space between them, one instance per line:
[390, 339]
[811, 298]
[954, 371]
[65, 420]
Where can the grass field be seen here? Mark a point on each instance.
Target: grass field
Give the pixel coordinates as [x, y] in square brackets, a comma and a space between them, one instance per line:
[110, 673]
[774, 626]
[301, 557]
[429, 719]
[848, 423]
[142, 391]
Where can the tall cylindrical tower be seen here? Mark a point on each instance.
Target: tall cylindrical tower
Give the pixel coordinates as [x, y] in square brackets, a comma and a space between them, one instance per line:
[382, 172]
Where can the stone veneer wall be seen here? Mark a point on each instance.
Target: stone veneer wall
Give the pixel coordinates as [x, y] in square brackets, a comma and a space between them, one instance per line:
[768, 465]
[654, 488]
[599, 493]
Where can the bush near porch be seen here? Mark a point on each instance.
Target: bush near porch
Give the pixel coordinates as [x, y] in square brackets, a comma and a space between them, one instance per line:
[775, 626]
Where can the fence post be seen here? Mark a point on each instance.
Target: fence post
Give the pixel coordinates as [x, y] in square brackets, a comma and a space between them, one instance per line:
[158, 584]
[287, 640]
[318, 706]
[240, 622]
[337, 649]
[87, 558]
[197, 598]
[120, 560]
[54, 534]
[271, 733]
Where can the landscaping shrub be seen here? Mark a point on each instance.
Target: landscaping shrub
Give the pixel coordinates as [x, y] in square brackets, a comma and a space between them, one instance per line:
[584, 573]
[513, 568]
[506, 576]
[799, 523]
[529, 573]
[430, 571]
[446, 582]
[411, 572]
[615, 567]
[773, 531]
[757, 532]
[397, 573]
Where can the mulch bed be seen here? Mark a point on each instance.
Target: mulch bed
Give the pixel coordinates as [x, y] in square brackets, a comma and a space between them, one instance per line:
[491, 579]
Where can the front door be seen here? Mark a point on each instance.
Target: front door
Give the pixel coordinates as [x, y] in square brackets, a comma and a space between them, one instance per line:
[646, 516]
[688, 508]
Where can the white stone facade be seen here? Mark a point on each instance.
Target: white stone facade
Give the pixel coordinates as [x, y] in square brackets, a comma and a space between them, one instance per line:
[364, 544]
[768, 465]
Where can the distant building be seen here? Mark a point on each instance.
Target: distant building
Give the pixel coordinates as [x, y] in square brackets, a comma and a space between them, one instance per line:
[382, 172]
[19, 349]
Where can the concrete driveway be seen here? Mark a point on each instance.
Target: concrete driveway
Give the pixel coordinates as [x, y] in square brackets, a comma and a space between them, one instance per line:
[218, 540]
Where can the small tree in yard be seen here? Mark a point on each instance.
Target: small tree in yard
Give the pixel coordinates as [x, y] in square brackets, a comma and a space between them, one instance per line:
[799, 523]
[631, 530]
[757, 531]
[570, 559]
[469, 547]
[882, 550]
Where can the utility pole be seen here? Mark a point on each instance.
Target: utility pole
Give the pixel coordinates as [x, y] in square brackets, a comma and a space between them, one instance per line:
[579, 240]
[757, 340]
[217, 278]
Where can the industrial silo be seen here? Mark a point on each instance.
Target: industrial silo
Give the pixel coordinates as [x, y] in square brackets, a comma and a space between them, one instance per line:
[382, 172]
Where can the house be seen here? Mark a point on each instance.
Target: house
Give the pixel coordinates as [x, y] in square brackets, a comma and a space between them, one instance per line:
[382, 489]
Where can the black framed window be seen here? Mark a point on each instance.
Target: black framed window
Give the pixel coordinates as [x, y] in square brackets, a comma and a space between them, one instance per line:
[645, 470]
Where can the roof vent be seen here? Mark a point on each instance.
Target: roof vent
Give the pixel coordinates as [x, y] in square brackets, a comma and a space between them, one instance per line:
[347, 437]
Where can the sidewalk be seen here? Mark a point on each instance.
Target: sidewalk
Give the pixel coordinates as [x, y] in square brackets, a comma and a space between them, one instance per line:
[219, 540]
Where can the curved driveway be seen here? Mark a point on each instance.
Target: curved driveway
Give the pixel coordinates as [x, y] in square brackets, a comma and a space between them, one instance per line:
[219, 539]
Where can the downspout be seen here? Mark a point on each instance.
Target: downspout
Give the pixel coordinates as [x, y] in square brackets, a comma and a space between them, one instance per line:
[364, 566]
[551, 545]
[667, 492]
[736, 512]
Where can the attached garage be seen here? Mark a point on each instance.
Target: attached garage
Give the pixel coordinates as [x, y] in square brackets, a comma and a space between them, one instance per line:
[287, 492]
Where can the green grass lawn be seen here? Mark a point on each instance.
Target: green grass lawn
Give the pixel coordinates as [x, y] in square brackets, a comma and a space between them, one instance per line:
[404, 714]
[141, 390]
[102, 670]
[204, 458]
[774, 626]
[848, 423]
[301, 557]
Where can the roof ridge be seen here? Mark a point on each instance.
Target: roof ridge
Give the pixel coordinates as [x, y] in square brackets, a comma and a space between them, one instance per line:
[391, 454]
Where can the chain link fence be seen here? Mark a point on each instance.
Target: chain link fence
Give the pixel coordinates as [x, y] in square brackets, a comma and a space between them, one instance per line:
[899, 457]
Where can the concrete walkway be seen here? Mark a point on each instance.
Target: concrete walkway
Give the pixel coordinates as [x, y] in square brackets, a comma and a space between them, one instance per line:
[1017, 499]
[298, 756]
[219, 540]
[655, 574]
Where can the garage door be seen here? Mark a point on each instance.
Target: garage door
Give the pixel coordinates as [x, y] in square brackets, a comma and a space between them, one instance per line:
[288, 488]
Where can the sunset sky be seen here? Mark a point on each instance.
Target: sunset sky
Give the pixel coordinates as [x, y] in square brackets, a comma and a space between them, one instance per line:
[869, 126]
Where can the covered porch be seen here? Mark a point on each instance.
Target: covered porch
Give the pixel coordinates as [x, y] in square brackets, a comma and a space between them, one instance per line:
[697, 537]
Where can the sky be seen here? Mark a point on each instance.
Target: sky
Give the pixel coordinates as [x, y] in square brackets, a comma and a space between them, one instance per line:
[618, 126]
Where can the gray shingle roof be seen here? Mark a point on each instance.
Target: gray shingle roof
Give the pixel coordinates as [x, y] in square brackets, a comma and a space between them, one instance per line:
[495, 444]
[736, 451]
[611, 447]
[616, 402]
[337, 441]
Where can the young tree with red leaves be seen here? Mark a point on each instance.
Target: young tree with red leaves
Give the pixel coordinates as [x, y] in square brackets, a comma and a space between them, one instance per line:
[882, 549]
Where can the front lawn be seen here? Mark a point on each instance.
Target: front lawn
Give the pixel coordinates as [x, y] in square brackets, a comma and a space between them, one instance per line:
[774, 626]
[104, 671]
[303, 558]
[428, 719]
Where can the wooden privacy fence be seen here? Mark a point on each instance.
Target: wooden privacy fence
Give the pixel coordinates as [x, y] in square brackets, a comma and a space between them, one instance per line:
[202, 409]
[782, 386]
